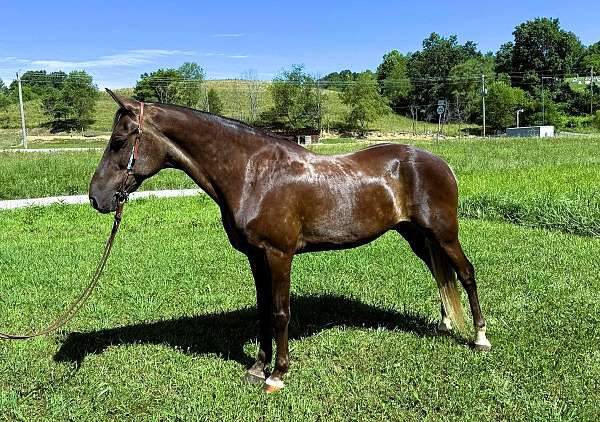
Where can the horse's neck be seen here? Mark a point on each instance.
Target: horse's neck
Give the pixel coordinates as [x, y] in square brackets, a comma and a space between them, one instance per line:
[214, 153]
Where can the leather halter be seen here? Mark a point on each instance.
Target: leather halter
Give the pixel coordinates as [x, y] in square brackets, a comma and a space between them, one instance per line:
[122, 193]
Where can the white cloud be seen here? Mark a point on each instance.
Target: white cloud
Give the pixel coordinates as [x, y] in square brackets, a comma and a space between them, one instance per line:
[13, 60]
[238, 56]
[233, 35]
[129, 58]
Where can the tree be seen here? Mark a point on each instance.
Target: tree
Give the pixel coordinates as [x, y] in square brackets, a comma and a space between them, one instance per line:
[253, 89]
[591, 58]
[215, 105]
[56, 80]
[504, 57]
[366, 104]
[189, 88]
[540, 47]
[465, 84]
[336, 81]
[159, 86]
[503, 101]
[72, 105]
[596, 120]
[295, 99]
[4, 103]
[430, 68]
[392, 75]
[4, 98]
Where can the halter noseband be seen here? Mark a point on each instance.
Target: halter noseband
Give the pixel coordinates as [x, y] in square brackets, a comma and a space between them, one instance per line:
[122, 194]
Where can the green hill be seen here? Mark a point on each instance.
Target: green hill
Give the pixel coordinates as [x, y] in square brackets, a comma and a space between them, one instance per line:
[235, 95]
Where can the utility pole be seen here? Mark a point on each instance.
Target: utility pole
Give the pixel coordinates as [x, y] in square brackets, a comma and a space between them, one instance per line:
[592, 90]
[22, 111]
[543, 109]
[483, 93]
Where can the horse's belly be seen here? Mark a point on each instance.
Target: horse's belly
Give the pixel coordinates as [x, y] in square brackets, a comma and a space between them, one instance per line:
[355, 217]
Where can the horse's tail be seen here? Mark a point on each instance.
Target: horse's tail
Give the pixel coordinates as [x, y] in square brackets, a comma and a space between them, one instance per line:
[445, 276]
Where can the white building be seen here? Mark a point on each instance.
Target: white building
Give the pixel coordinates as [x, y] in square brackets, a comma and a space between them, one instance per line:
[531, 131]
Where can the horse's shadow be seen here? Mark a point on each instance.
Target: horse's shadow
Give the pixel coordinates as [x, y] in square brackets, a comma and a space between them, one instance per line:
[225, 334]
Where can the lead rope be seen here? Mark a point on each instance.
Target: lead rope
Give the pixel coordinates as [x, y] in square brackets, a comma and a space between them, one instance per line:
[79, 302]
[122, 197]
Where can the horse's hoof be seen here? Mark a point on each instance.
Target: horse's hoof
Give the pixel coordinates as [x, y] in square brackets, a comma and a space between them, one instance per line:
[269, 389]
[254, 377]
[481, 343]
[444, 326]
[273, 385]
[482, 347]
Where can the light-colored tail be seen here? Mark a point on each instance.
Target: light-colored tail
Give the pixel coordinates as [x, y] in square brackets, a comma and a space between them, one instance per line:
[445, 276]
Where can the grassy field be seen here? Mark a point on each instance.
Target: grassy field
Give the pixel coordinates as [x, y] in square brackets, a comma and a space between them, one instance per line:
[172, 327]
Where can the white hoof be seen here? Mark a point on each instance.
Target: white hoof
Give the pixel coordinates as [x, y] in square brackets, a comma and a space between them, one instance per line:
[445, 325]
[273, 385]
[481, 342]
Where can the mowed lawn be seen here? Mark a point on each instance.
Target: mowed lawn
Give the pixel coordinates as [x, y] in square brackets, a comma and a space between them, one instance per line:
[172, 326]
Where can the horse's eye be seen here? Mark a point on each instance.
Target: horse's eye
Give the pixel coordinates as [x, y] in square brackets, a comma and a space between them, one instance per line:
[117, 143]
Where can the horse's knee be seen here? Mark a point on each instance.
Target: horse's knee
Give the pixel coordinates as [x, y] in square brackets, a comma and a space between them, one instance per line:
[466, 275]
[281, 318]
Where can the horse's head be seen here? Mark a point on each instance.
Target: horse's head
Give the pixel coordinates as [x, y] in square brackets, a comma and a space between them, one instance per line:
[112, 169]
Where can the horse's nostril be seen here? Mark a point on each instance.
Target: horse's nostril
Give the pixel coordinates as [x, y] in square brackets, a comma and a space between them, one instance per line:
[93, 202]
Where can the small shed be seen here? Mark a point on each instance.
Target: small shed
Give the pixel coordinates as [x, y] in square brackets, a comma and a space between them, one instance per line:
[531, 131]
[304, 136]
[304, 139]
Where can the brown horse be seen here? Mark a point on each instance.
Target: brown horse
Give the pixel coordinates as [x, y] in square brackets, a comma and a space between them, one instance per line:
[278, 199]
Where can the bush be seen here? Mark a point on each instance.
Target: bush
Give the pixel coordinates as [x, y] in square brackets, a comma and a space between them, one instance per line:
[596, 120]
[503, 101]
[578, 122]
[366, 104]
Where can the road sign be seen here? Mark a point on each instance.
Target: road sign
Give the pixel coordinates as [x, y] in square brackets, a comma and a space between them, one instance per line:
[440, 109]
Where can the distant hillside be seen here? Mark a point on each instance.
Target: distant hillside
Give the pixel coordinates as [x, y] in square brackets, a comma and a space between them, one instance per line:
[235, 97]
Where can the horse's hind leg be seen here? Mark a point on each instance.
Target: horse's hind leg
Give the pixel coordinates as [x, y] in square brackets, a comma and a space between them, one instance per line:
[420, 245]
[466, 275]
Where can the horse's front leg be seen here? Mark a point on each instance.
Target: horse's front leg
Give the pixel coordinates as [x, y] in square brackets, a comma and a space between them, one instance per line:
[280, 265]
[262, 280]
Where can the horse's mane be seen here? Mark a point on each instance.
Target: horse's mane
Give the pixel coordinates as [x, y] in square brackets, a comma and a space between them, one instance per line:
[238, 123]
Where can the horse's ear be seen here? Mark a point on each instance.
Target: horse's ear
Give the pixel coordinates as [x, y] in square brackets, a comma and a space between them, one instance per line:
[125, 103]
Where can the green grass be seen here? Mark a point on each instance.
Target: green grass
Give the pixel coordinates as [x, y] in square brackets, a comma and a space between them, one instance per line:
[554, 197]
[171, 328]
[32, 175]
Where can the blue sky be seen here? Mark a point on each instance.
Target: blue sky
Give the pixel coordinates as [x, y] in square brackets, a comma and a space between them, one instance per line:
[116, 41]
